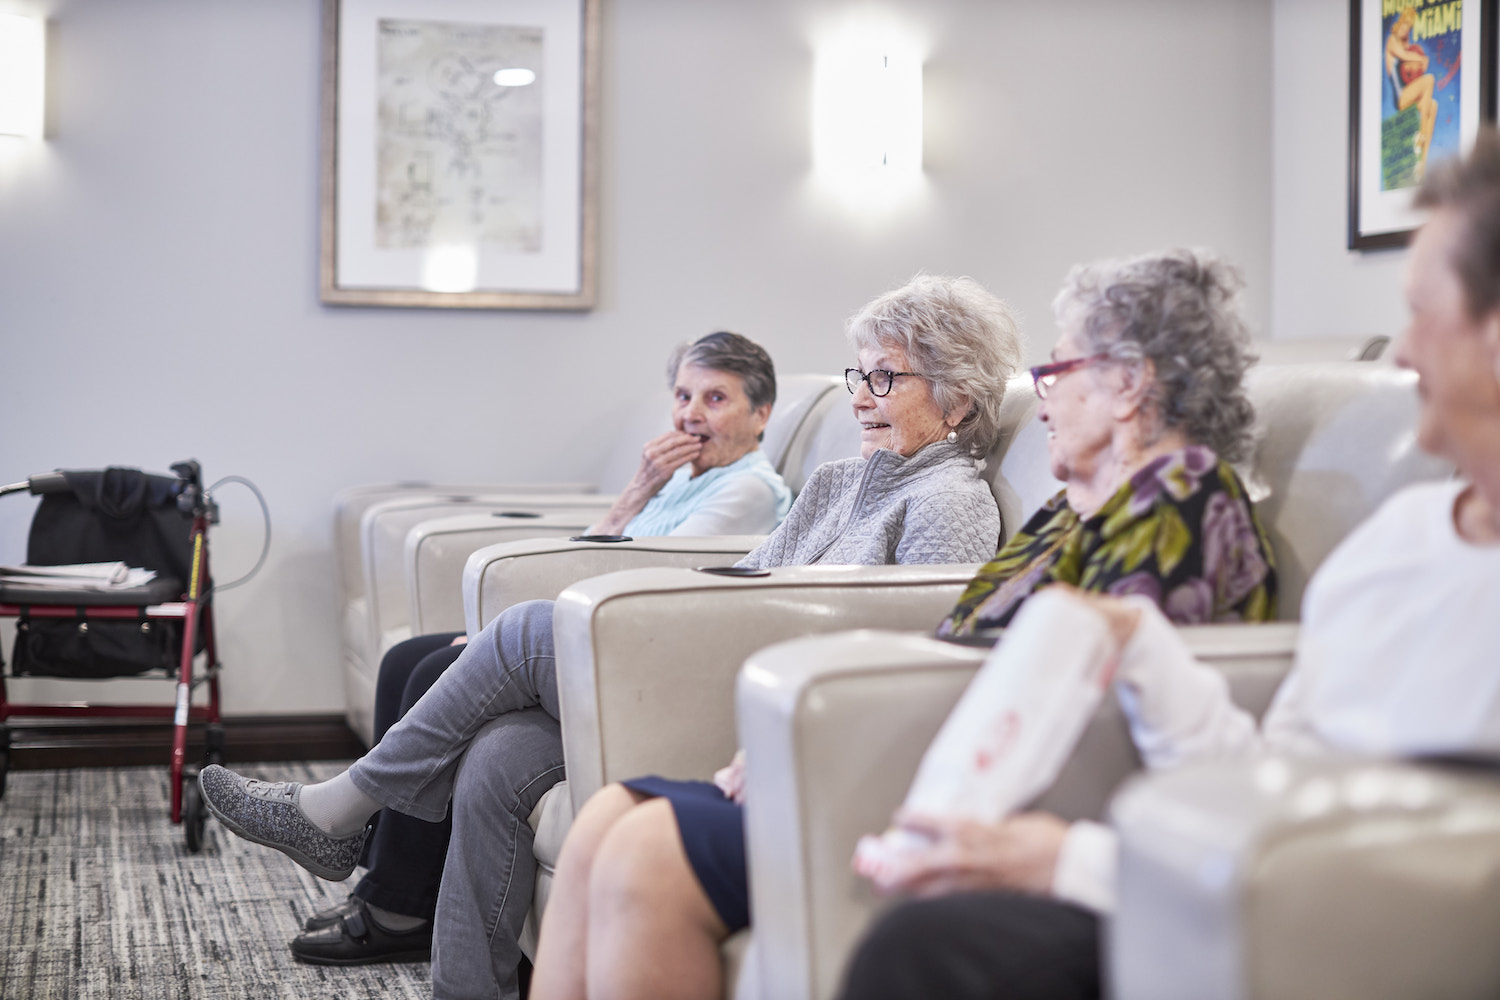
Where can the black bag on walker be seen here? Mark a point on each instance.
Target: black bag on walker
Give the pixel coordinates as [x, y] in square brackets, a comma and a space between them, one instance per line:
[122, 515]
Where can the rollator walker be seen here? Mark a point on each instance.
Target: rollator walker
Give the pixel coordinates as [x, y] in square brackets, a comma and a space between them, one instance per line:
[153, 630]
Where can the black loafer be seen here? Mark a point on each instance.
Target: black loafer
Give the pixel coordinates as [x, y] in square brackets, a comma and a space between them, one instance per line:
[356, 939]
[331, 915]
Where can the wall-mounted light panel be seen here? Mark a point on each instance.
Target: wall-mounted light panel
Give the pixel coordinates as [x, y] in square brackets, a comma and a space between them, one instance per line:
[22, 75]
[867, 108]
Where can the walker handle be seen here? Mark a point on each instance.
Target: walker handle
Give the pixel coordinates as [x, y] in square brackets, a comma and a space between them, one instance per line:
[47, 482]
[43, 482]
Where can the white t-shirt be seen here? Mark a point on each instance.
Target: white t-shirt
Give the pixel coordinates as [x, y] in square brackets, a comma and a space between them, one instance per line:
[1397, 655]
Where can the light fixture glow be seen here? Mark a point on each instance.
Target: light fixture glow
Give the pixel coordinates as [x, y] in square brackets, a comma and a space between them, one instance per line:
[22, 75]
[451, 268]
[515, 77]
[867, 109]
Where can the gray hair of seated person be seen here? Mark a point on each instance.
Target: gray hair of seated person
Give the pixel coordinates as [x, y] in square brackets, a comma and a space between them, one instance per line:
[729, 352]
[1471, 187]
[1180, 310]
[962, 338]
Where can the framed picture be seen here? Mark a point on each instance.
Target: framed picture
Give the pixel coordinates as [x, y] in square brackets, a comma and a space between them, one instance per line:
[1420, 75]
[459, 153]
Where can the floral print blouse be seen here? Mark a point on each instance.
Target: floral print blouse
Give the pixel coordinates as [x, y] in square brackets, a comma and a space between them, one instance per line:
[1181, 531]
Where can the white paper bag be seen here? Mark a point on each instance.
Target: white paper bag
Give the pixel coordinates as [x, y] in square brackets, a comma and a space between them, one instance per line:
[1009, 735]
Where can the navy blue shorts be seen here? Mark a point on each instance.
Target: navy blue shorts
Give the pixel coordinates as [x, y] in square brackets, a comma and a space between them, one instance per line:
[713, 836]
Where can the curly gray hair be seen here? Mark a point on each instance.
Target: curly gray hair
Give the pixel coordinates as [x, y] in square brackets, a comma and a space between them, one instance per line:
[965, 340]
[1179, 309]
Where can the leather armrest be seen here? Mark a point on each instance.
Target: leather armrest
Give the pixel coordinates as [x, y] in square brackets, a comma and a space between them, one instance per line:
[437, 550]
[834, 728]
[1291, 879]
[498, 576]
[383, 530]
[350, 504]
[647, 658]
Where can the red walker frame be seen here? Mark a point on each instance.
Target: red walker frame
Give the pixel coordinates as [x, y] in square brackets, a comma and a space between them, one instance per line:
[191, 611]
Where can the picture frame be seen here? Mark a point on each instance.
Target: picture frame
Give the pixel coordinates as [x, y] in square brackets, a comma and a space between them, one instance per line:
[459, 153]
[1407, 113]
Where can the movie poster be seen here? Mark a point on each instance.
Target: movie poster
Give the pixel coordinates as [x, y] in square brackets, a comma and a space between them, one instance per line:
[1416, 102]
[1421, 59]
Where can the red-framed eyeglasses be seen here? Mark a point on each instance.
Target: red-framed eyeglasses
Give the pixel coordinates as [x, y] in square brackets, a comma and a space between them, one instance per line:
[1043, 377]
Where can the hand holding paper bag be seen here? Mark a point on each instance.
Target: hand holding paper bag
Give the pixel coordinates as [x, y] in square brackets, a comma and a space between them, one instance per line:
[1003, 744]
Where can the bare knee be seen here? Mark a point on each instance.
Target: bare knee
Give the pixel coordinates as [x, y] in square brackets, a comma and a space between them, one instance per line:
[603, 809]
[640, 863]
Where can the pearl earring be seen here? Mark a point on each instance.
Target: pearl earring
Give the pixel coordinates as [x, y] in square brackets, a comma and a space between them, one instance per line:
[953, 437]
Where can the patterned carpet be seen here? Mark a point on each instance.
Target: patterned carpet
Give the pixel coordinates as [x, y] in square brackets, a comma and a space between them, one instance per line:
[100, 898]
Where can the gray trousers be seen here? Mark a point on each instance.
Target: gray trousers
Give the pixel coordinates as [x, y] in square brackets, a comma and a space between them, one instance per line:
[486, 737]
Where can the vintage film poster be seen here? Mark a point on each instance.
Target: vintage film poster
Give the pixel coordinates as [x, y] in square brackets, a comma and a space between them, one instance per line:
[1421, 93]
[1416, 102]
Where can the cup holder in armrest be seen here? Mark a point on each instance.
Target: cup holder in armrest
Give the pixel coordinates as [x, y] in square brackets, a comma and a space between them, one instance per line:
[601, 538]
[734, 571]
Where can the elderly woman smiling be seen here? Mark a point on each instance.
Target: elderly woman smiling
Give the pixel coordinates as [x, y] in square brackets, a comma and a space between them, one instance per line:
[914, 496]
[1143, 406]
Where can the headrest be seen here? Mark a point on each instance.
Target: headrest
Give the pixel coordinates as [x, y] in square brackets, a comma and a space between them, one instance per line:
[828, 433]
[1306, 350]
[797, 396]
[1018, 469]
[1332, 442]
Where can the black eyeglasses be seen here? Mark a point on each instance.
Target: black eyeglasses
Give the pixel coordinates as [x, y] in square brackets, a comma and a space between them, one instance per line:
[1045, 376]
[879, 380]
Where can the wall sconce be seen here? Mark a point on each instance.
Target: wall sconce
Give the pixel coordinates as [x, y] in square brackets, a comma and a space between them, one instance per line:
[22, 75]
[867, 109]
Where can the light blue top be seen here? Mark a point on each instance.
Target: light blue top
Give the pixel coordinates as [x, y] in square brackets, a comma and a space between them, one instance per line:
[745, 497]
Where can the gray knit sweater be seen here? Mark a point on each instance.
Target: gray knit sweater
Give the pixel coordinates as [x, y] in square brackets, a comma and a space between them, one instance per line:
[929, 508]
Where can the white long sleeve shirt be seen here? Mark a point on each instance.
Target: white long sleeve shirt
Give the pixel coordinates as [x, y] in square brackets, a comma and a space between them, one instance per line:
[1397, 655]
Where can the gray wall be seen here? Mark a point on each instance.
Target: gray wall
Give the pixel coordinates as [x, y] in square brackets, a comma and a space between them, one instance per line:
[158, 256]
[1320, 289]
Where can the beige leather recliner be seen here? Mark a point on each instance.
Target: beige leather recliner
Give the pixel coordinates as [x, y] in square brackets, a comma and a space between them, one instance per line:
[1334, 441]
[382, 569]
[834, 728]
[1287, 879]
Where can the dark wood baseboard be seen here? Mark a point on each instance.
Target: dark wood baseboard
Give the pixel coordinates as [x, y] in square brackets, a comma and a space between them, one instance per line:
[53, 743]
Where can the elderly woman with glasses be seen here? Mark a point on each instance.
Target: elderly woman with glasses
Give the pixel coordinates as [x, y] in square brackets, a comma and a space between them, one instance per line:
[1144, 408]
[934, 355]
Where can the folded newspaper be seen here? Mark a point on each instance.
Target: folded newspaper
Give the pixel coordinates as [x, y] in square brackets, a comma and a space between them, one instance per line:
[1015, 726]
[78, 576]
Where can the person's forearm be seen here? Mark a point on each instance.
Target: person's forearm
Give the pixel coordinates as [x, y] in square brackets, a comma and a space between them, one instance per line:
[1178, 709]
[631, 501]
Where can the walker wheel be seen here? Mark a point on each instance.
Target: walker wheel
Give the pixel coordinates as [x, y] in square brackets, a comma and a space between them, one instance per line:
[194, 814]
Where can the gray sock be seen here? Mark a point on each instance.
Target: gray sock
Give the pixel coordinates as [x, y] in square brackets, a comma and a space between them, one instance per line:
[396, 923]
[337, 807]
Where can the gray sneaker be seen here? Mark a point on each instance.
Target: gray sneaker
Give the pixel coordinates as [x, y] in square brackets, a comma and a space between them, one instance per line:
[269, 813]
